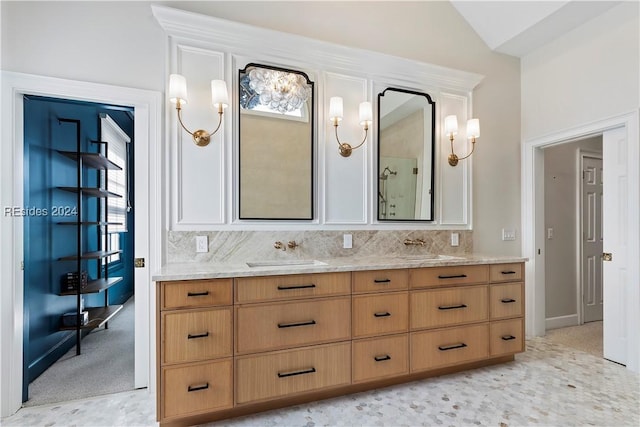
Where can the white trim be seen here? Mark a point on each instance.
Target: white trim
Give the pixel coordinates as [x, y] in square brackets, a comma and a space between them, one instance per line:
[561, 321]
[148, 109]
[533, 227]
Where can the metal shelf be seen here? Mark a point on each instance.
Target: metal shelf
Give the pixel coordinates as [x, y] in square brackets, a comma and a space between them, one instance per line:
[92, 160]
[95, 286]
[98, 316]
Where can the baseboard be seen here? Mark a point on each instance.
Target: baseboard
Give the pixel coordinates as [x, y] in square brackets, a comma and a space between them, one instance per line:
[561, 321]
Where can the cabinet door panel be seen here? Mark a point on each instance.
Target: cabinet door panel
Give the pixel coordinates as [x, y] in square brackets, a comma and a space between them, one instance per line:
[440, 348]
[446, 276]
[448, 307]
[378, 358]
[506, 300]
[273, 288]
[378, 314]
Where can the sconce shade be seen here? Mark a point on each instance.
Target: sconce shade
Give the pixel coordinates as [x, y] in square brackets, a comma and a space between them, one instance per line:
[177, 88]
[366, 113]
[473, 128]
[451, 125]
[219, 94]
[335, 108]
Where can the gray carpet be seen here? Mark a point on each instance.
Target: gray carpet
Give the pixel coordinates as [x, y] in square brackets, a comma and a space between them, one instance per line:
[587, 337]
[105, 365]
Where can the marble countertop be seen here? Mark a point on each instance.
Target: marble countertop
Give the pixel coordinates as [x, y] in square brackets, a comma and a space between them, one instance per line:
[189, 271]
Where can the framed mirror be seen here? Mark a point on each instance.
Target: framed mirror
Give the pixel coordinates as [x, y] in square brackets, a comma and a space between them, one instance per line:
[406, 143]
[276, 123]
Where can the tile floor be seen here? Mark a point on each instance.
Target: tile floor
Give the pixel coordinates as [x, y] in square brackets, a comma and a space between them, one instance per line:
[549, 385]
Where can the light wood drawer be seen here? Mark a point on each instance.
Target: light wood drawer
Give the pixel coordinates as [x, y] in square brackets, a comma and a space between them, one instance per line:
[380, 357]
[506, 272]
[446, 276]
[197, 388]
[274, 326]
[380, 280]
[440, 348]
[196, 335]
[448, 307]
[506, 300]
[196, 293]
[271, 288]
[292, 371]
[507, 337]
[379, 314]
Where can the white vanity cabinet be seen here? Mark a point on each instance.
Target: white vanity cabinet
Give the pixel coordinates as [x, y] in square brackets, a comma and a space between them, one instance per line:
[234, 346]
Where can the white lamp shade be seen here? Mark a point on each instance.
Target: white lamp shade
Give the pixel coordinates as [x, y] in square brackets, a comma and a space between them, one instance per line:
[473, 128]
[335, 108]
[450, 125]
[366, 113]
[219, 94]
[177, 88]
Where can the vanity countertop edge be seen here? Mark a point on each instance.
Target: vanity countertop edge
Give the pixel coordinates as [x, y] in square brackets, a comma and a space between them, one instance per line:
[218, 270]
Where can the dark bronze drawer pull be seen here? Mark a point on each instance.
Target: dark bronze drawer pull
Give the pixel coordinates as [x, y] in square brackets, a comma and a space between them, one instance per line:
[451, 347]
[507, 300]
[381, 280]
[385, 314]
[451, 307]
[197, 387]
[206, 334]
[455, 276]
[291, 374]
[382, 358]
[197, 294]
[288, 288]
[508, 337]
[508, 272]
[293, 325]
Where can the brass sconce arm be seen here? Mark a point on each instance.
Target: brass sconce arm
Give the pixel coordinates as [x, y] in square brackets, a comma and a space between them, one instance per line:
[201, 137]
[451, 129]
[453, 158]
[345, 148]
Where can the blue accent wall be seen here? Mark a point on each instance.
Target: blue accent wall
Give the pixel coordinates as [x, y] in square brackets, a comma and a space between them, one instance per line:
[45, 239]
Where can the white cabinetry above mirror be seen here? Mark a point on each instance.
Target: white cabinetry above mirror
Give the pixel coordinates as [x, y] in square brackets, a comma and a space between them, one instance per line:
[204, 181]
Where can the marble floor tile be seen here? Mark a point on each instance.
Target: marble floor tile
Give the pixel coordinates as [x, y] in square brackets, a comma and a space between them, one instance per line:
[548, 385]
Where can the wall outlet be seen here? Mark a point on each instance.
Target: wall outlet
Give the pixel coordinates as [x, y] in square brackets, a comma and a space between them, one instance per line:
[550, 233]
[202, 244]
[455, 239]
[347, 241]
[508, 234]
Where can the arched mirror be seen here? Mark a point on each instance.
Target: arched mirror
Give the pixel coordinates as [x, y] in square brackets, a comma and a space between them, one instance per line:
[406, 128]
[276, 144]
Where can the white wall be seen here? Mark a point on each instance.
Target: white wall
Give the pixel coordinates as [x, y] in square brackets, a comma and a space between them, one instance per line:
[120, 43]
[589, 74]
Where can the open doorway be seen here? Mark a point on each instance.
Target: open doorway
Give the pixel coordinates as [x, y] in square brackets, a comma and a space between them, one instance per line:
[77, 226]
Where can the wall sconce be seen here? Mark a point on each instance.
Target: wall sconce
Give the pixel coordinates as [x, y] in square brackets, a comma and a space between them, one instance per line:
[335, 115]
[219, 98]
[451, 129]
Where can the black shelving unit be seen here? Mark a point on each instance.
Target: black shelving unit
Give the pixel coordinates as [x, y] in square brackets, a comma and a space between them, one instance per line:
[97, 316]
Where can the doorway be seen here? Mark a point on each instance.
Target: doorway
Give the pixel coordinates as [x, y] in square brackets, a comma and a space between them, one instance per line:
[71, 222]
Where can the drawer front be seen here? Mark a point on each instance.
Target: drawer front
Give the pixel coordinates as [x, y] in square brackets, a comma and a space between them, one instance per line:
[436, 349]
[507, 337]
[189, 336]
[446, 276]
[506, 300]
[380, 280]
[448, 307]
[196, 293]
[194, 389]
[274, 326]
[271, 288]
[380, 314]
[293, 371]
[380, 357]
[506, 272]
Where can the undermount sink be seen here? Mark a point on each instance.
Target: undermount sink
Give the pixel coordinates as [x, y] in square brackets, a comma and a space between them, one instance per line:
[285, 263]
[427, 257]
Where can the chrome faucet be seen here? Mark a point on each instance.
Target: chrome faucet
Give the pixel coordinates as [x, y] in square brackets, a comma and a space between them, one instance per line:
[415, 242]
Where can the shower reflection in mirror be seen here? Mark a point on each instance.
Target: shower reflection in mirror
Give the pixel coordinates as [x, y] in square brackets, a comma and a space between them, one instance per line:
[405, 155]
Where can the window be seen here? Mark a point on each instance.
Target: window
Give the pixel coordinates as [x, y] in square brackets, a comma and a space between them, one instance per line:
[116, 150]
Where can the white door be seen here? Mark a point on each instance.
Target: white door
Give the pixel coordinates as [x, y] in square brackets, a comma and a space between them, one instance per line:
[591, 269]
[615, 201]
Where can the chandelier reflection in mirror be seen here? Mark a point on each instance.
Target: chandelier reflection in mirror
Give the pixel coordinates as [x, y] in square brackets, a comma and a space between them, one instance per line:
[274, 90]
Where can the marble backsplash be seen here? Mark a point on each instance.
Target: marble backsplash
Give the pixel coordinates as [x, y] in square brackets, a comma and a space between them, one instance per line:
[242, 246]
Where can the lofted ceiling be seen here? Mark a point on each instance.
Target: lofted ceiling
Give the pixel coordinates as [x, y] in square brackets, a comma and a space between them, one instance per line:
[519, 27]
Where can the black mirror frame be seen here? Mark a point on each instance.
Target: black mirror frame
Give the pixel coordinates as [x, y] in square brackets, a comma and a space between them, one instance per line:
[433, 152]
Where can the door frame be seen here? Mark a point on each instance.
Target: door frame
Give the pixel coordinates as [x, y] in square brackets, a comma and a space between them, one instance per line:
[148, 233]
[533, 236]
[579, 230]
